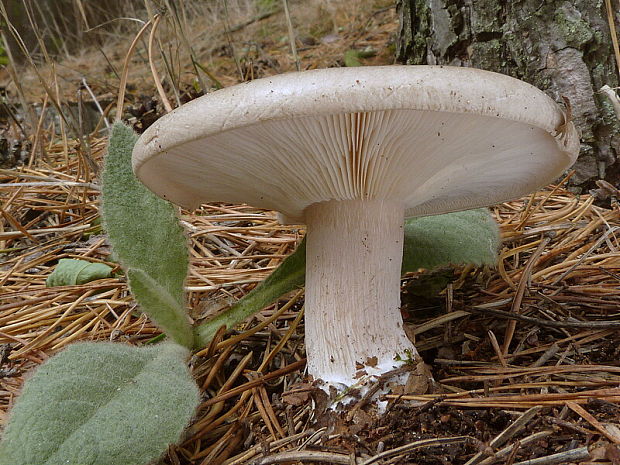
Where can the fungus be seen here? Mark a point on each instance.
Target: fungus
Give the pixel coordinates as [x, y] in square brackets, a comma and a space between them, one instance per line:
[351, 152]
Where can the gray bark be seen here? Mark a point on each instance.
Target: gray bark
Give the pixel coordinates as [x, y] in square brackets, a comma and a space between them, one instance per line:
[562, 47]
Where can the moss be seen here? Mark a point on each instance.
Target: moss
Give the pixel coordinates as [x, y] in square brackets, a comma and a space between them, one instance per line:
[572, 28]
[486, 53]
[416, 27]
[487, 19]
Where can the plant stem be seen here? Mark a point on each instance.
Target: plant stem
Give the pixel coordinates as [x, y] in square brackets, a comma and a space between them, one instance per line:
[287, 277]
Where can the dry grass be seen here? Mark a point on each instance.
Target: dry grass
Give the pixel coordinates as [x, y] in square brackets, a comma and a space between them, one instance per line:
[559, 272]
[246, 40]
[560, 263]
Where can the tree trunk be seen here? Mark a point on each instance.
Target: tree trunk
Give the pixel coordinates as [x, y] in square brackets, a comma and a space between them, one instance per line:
[562, 47]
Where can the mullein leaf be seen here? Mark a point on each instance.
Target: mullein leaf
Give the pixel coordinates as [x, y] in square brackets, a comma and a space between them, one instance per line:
[145, 235]
[71, 272]
[101, 404]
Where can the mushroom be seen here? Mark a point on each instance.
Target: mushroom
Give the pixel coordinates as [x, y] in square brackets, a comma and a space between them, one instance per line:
[351, 152]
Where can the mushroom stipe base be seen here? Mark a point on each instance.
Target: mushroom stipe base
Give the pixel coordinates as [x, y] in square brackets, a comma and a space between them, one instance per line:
[353, 322]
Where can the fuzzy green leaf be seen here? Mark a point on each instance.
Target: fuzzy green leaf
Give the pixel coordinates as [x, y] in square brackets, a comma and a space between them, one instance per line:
[145, 233]
[470, 236]
[70, 272]
[454, 238]
[287, 277]
[353, 57]
[163, 308]
[101, 404]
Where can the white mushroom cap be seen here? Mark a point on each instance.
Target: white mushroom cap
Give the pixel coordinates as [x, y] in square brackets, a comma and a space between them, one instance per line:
[435, 138]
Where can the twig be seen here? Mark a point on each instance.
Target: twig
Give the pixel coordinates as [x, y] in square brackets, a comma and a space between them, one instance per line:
[583, 413]
[250, 384]
[513, 453]
[433, 442]
[508, 449]
[374, 389]
[160, 89]
[182, 27]
[546, 323]
[291, 35]
[547, 355]
[37, 135]
[516, 303]
[89, 185]
[94, 98]
[496, 348]
[254, 19]
[304, 456]
[596, 245]
[508, 433]
[515, 427]
[612, 32]
[121, 88]
[248, 454]
[227, 33]
[573, 455]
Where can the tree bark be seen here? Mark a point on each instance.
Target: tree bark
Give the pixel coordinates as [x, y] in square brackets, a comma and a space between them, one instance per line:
[561, 47]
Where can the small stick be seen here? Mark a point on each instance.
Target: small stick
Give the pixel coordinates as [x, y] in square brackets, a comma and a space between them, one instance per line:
[416, 445]
[92, 95]
[267, 419]
[583, 413]
[374, 389]
[89, 185]
[612, 31]
[507, 434]
[258, 17]
[496, 347]
[264, 397]
[244, 456]
[508, 449]
[125, 73]
[37, 135]
[291, 35]
[513, 453]
[228, 35]
[304, 456]
[160, 88]
[547, 323]
[573, 455]
[515, 427]
[518, 299]
[585, 255]
[255, 382]
[546, 356]
[569, 425]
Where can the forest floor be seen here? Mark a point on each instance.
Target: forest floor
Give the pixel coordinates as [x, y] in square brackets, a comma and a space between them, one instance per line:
[553, 299]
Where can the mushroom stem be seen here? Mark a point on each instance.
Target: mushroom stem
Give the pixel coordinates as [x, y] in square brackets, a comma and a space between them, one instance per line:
[353, 265]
